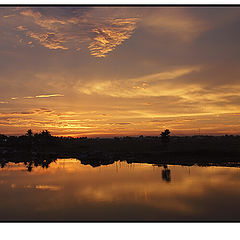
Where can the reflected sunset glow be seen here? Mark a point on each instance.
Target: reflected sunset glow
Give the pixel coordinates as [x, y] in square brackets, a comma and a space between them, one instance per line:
[119, 191]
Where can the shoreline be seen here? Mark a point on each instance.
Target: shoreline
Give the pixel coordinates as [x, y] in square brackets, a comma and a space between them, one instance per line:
[96, 159]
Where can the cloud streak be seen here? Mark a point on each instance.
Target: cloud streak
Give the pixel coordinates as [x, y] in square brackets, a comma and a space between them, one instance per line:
[49, 95]
[41, 96]
[33, 97]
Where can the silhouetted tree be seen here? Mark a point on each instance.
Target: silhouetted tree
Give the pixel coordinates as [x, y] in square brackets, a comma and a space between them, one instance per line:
[165, 136]
[46, 133]
[29, 133]
[44, 137]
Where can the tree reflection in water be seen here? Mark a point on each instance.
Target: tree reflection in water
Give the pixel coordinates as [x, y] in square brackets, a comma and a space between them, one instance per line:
[166, 173]
[44, 163]
[3, 163]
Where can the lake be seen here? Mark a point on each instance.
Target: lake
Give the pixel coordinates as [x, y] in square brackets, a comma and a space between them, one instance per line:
[70, 191]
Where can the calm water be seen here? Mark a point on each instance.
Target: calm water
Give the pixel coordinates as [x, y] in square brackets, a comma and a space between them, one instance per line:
[68, 190]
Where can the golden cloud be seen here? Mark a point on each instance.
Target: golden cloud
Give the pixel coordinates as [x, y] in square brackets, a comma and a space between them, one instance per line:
[102, 34]
[158, 84]
[48, 187]
[41, 96]
[21, 28]
[49, 40]
[49, 95]
[45, 22]
[108, 37]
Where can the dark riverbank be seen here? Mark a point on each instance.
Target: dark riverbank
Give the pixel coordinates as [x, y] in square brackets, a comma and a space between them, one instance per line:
[42, 149]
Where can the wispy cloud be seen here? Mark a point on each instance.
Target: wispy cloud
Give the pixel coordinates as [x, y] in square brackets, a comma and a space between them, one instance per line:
[111, 35]
[49, 95]
[157, 84]
[21, 28]
[9, 16]
[49, 40]
[177, 22]
[28, 97]
[42, 96]
[48, 187]
[102, 34]
[43, 187]
[33, 97]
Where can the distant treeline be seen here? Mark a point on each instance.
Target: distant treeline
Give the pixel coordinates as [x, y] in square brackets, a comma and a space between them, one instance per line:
[45, 142]
[39, 147]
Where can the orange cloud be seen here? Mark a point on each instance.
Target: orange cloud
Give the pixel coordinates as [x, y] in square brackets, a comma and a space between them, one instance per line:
[157, 84]
[21, 28]
[49, 40]
[41, 96]
[49, 95]
[108, 37]
[102, 35]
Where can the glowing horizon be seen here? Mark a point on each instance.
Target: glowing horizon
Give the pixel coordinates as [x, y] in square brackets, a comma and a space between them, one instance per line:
[120, 71]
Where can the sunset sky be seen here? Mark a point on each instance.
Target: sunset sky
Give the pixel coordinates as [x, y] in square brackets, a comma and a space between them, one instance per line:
[107, 71]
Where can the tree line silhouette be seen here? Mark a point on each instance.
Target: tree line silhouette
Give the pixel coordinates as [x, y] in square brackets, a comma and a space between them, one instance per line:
[41, 148]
